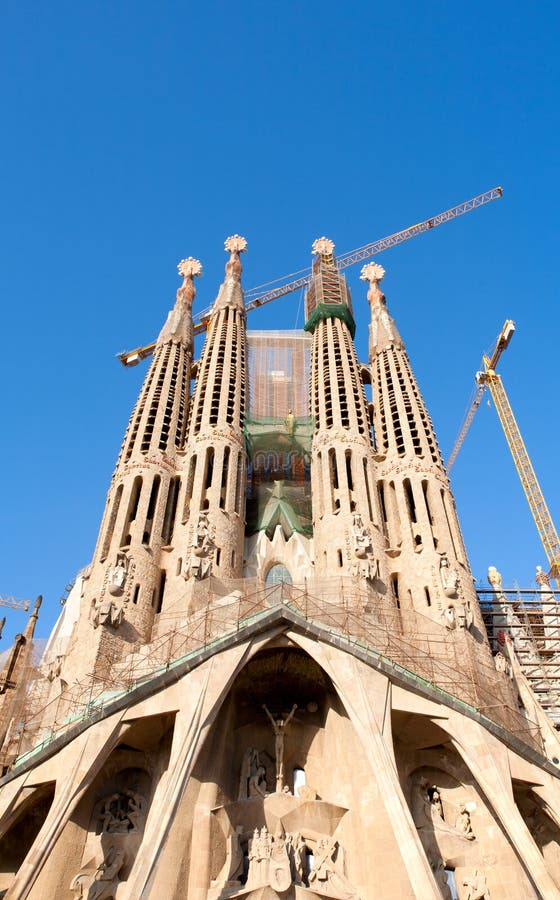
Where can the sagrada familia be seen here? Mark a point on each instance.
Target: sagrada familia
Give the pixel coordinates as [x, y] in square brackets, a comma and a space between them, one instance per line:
[274, 679]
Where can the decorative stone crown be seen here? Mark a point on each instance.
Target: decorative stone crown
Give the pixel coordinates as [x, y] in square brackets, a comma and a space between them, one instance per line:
[235, 244]
[372, 272]
[322, 246]
[190, 267]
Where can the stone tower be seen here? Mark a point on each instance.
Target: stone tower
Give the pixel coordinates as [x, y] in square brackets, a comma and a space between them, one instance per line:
[429, 567]
[348, 538]
[128, 576]
[213, 512]
[215, 734]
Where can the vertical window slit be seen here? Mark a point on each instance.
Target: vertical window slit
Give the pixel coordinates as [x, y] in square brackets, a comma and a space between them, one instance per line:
[223, 486]
[410, 499]
[348, 459]
[170, 510]
[189, 488]
[132, 510]
[151, 510]
[381, 492]
[111, 522]
[157, 596]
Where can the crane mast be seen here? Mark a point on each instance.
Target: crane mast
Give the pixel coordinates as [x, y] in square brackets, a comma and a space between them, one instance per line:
[490, 379]
[537, 504]
[502, 342]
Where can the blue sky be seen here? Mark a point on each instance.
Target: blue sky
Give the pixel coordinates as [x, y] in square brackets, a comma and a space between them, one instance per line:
[135, 134]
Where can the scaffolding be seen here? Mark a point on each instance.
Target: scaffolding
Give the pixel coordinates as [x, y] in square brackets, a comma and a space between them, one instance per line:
[278, 432]
[402, 642]
[531, 619]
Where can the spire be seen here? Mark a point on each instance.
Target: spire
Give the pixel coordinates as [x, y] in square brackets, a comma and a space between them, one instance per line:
[328, 295]
[215, 463]
[231, 292]
[347, 535]
[382, 330]
[18, 656]
[178, 326]
[32, 621]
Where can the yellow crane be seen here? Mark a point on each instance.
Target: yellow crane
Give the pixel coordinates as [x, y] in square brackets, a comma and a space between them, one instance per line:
[490, 379]
[256, 297]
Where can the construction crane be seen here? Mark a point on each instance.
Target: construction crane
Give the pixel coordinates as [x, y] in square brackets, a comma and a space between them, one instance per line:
[256, 297]
[14, 603]
[537, 504]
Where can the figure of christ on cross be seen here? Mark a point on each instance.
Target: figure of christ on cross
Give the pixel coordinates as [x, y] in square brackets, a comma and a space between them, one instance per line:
[279, 725]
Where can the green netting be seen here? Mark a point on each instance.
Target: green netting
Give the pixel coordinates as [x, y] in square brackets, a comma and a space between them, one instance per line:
[278, 482]
[329, 311]
[273, 433]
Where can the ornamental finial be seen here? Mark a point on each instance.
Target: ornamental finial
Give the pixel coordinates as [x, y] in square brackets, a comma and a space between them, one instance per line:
[542, 578]
[236, 244]
[372, 272]
[322, 246]
[190, 267]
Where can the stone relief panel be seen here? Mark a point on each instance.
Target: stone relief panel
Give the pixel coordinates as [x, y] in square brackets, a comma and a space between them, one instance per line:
[458, 833]
[101, 882]
[116, 826]
[202, 549]
[541, 824]
[121, 813]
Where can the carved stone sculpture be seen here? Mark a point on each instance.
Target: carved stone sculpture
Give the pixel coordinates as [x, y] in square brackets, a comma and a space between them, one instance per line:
[259, 855]
[449, 577]
[450, 617]
[362, 541]
[100, 883]
[121, 813]
[252, 780]
[436, 806]
[327, 876]
[279, 725]
[54, 668]
[296, 851]
[306, 792]
[116, 578]
[279, 872]
[290, 423]
[202, 550]
[107, 613]
[502, 664]
[257, 783]
[463, 822]
[494, 578]
[477, 886]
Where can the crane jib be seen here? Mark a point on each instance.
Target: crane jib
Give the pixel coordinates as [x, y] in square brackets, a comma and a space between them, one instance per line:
[350, 258]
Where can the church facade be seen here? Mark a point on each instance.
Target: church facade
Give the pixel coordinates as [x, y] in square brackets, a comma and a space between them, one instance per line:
[274, 679]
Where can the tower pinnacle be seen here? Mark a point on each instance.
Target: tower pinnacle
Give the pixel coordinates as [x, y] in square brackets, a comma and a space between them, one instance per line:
[323, 247]
[382, 330]
[178, 326]
[230, 293]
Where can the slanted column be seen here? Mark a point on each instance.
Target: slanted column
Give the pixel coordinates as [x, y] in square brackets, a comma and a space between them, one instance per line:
[213, 506]
[347, 527]
[426, 553]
